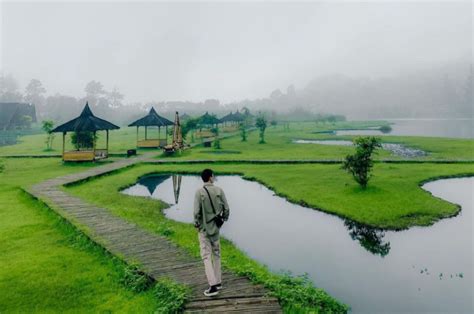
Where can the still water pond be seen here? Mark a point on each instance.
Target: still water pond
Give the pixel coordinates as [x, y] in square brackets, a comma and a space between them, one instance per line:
[417, 270]
[395, 149]
[454, 128]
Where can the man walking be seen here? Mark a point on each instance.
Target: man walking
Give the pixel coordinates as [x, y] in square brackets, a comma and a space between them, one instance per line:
[210, 212]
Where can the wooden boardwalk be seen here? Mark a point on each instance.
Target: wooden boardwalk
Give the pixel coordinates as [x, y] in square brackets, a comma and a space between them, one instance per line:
[158, 256]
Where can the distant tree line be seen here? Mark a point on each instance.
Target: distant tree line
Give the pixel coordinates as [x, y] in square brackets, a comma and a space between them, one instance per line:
[445, 91]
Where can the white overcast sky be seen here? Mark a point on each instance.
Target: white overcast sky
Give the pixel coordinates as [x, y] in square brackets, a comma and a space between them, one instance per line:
[229, 51]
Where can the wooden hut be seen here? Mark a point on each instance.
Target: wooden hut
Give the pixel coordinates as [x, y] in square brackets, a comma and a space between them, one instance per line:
[86, 122]
[238, 117]
[185, 117]
[152, 119]
[229, 118]
[208, 120]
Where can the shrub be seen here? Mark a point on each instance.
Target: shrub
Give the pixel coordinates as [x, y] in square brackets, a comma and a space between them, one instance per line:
[171, 296]
[82, 140]
[261, 124]
[135, 279]
[385, 129]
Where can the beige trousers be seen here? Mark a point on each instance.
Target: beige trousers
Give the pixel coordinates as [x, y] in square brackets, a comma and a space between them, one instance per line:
[211, 256]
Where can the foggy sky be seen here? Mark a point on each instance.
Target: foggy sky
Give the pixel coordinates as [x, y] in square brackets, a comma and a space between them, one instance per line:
[229, 51]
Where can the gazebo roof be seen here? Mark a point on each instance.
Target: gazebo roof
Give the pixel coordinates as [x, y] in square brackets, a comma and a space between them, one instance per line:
[228, 118]
[86, 122]
[185, 116]
[152, 181]
[152, 119]
[208, 119]
[237, 116]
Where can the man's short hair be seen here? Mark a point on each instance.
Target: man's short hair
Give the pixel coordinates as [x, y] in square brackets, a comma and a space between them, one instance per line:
[206, 174]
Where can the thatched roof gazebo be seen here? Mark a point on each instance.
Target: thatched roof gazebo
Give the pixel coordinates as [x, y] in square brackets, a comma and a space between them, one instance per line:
[239, 117]
[185, 117]
[152, 119]
[85, 123]
[227, 118]
[208, 120]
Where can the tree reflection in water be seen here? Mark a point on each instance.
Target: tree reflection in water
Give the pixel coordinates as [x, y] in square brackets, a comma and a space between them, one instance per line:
[369, 238]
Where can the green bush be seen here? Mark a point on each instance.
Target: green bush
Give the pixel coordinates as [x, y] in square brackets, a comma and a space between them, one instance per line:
[83, 140]
[171, 296]
[385, 129]
[135, 279]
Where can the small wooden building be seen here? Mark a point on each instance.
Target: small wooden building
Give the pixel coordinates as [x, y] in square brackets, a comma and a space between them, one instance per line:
[229, 118]
[152, 119]
[208, 120]
[86, 122]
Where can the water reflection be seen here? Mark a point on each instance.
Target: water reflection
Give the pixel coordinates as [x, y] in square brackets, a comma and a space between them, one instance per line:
[151, 182]
[176, 187]
[424, 269]
[369, 238]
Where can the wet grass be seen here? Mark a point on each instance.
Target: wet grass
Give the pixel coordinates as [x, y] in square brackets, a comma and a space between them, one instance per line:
[46, 265]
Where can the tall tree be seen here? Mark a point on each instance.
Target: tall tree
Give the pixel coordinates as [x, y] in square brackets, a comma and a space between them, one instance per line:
[34, 92]
[9, 89]
[94, 90]
[115, 98]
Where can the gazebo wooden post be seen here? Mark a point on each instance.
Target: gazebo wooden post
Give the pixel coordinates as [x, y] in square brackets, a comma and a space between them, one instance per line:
[137, 136]
[159, 135]
[107, 141]
[93, 142]
[146, 132]
[64, 143]
[166, 135]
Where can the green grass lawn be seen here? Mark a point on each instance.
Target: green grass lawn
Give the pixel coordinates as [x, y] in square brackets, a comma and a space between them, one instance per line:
[279, 144]
[119, 142]
[392, 200]
[45, 264]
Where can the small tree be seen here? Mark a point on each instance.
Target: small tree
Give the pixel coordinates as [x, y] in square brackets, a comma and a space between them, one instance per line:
[217, 142]
[360, 164]
[82, 140]
[261, 124]
[243, 131]
[188, 126]
[47, 126]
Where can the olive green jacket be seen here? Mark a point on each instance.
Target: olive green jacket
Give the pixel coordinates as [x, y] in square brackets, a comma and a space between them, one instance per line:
[203, 212]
